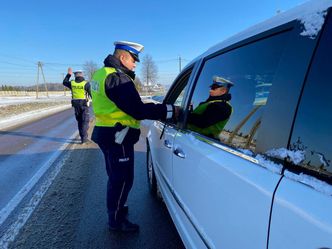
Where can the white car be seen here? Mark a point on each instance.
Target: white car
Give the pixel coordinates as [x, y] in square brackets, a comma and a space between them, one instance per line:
[266, 182]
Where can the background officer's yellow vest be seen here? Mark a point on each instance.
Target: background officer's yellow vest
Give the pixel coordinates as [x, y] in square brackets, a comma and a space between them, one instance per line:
[106, 111]
[213, 130]
[77, 89]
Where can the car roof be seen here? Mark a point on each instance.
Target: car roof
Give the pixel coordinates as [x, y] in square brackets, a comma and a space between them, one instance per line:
[307, 13]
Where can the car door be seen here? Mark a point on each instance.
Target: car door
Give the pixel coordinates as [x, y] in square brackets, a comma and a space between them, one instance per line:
[301, 214]
[224, 190]
[161, 136]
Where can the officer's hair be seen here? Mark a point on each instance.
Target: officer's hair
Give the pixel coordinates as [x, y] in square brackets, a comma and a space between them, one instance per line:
[118, 52]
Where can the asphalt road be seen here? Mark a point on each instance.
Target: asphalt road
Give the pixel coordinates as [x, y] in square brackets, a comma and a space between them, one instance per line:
[25, 150]
[72, 214]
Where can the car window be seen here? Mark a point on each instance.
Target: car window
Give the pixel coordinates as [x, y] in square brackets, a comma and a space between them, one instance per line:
[251, 68]
[312, 133]
[179, 99]
[179, 90]
[158, 98]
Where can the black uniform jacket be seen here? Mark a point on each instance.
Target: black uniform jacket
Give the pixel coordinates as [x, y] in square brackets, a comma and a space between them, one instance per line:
[120, 88]
[87, 88]
[215, 112]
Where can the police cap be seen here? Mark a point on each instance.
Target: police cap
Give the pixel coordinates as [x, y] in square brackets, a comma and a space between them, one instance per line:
[221, 82]
[133, 48]
[78, 71]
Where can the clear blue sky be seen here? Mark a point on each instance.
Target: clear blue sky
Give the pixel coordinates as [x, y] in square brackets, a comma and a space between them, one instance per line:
[68, 33]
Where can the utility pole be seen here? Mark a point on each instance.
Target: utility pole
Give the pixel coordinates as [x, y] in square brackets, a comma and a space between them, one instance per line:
[179, 64]
[40, 66]
[41, 69]
[37, 81]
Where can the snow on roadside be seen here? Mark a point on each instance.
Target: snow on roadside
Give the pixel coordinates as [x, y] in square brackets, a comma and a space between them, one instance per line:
[7, 121]
[24, 117]
[13, 100]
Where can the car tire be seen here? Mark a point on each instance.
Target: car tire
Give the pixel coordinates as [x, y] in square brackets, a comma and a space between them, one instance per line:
[152, 181]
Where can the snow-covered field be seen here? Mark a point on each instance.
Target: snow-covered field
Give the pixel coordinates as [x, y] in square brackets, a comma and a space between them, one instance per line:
[19, 109]
[14, 100]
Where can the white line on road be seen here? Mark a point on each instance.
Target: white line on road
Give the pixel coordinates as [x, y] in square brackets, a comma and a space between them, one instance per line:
[10, 234]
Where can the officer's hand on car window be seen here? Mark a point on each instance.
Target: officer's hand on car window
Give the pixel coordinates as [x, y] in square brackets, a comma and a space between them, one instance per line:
[70, 71]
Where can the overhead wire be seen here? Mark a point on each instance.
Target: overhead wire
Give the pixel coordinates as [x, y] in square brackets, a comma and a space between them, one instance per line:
[54, 67]
[17, 58]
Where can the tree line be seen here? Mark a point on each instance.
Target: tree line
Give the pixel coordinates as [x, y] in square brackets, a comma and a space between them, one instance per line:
[50, 87]
[149, 75]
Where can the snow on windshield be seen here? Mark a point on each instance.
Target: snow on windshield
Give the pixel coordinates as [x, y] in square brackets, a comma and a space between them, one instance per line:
[312, 23]
[294, 156]
[310, 181]
[263, 161]
[274, 167]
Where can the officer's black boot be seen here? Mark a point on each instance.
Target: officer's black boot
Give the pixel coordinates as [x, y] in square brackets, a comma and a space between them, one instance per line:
[124, 226]
[121, 224]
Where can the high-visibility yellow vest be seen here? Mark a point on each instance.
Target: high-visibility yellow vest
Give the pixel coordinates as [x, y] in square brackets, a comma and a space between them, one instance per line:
[213, 130]
[77, 89]
[106, 111]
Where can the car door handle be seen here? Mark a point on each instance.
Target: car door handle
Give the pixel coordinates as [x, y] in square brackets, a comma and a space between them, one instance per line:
[167, 143]
[179, 152]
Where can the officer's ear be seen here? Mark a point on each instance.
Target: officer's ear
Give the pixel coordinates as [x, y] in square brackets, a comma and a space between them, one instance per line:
[123, 58]
[225, 90]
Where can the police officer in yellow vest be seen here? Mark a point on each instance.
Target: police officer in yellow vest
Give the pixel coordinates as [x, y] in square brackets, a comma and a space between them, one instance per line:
[81, 93]
[210, 117]
[118, 109]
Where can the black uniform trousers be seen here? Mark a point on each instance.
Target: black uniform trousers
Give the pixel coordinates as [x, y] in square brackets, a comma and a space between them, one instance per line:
[82, 117]
[120, 170]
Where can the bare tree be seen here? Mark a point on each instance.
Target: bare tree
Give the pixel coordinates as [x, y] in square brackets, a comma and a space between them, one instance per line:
[149, 70]
[138, 83]
[89, 68]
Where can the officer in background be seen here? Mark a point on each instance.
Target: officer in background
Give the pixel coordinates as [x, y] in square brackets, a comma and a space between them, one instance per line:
[81, 93]
[210, 117]
[118, 108]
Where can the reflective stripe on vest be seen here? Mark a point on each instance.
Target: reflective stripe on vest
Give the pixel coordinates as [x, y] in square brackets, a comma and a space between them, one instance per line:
[213, 130]
[106, 112]
[77, 89]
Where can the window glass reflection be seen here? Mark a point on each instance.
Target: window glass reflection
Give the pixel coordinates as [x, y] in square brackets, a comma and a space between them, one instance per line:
[312, 130]
[251, 69]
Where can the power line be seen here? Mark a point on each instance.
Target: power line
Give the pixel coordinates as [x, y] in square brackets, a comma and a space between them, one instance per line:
[15, 57]
[164, 61]
[62, 64]
[15, 64]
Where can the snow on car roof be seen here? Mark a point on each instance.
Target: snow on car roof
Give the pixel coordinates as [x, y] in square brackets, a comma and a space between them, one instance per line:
[311, 14]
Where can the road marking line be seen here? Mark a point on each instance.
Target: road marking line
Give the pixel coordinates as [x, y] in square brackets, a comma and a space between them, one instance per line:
[10, 234]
